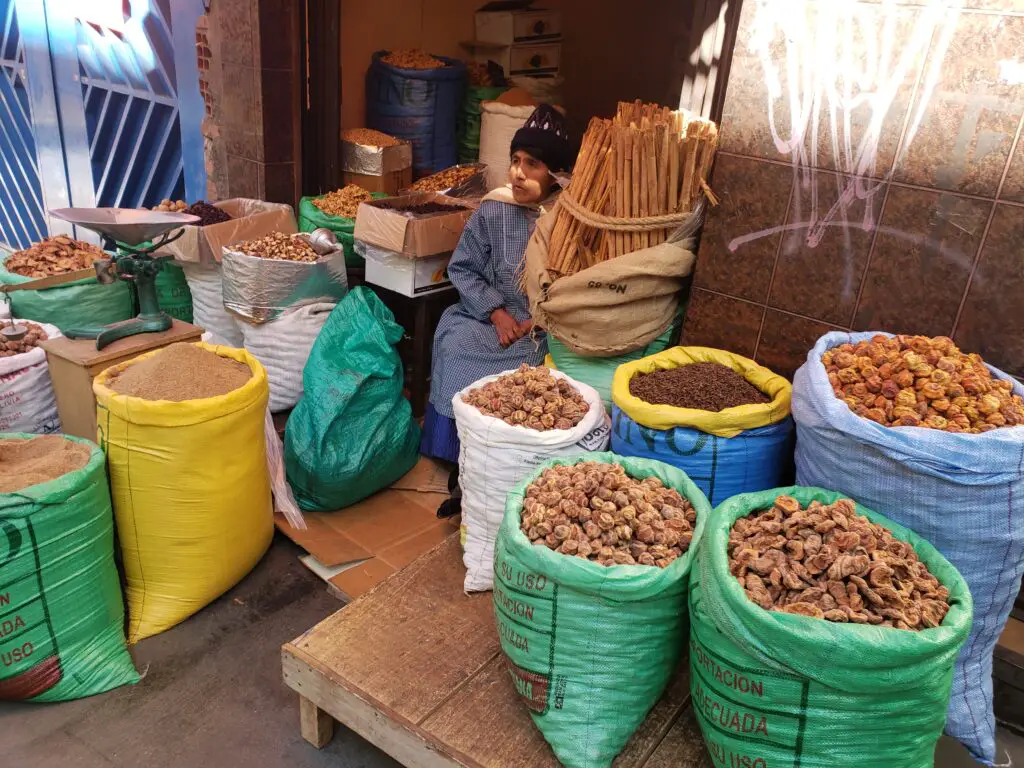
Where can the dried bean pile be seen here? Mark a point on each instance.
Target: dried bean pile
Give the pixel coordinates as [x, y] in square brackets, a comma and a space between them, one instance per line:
[181, 372]
[369, 137]
[53, 256]
[24, 463]
[278, 245]
[917, 381]
[701, 386]
[446, 179]
[343, 202]
[208, 214]
[29, 341]
[597, 512]
[426, 209]
[828, 562]
[532, 398]
[412, 58]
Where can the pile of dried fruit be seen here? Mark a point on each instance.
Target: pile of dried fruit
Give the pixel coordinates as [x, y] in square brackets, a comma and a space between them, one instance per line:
[181, 372]
[369, 138]
[343, 202]
[426, 209]
[29, 341]
[446, 179]
[917, 381]
[278, 245]
[828, 562]
[53, 256]
[412, 58]
[532, 398]
[599, 513]
[171, 206]
[208, 214]
[702, 386]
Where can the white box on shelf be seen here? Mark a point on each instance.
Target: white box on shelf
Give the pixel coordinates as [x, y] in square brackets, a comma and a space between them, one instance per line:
[401, 274]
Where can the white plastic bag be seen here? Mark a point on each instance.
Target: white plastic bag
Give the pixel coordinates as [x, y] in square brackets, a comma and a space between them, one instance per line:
[498, 125]
[495, 457]
[27, 402]
[206, 284]
[283, 346]
[284, 499]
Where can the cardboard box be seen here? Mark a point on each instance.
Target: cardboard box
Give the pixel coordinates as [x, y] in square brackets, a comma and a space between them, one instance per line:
[366, 159]
[409, 277]
[517, 25]
[249, 219]
[390, 183]
[379, 224]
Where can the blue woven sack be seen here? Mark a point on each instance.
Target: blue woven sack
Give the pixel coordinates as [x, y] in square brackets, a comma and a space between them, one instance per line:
[420, 106]
[721, 467]
[962, 493]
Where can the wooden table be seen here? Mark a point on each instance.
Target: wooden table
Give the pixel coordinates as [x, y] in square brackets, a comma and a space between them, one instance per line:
[74, 363]
[414, 667]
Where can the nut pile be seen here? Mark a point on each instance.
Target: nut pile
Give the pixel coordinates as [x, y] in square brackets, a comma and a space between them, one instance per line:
[532, 398]
[343, 202]
[703, 386]
[278, 245]
[53, 256]
[171, 206]
[446, 179]
[599, 513]
[412, 58]
[369, 138]
[917, 381]
[29, 341]
[828, 562]
[208, 214]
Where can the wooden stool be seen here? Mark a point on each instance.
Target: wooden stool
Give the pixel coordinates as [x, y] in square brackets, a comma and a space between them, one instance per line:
[74, 363]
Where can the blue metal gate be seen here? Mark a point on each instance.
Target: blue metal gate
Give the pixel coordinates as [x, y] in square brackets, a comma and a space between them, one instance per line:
[99, 106]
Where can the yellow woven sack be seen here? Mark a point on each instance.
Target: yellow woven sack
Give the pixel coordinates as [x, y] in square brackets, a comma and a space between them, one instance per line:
[191, 493]
[727, 423]
[550, 363]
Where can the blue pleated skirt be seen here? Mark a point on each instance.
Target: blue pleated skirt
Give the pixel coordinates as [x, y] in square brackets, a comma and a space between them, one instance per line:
[440, 437]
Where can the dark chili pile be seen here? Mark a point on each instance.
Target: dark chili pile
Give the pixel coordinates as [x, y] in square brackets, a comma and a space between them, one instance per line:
[422, 209]
[703, 386]
[208, 214]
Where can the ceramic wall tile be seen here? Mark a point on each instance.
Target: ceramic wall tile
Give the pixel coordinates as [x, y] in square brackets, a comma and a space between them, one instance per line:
[785, 341]
[1013, 184]
[721, 322]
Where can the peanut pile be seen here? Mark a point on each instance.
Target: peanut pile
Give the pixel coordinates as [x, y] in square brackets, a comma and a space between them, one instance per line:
[411, 58]
[54, 256]
[446, 179]
[278, 245]
[171, 206]
[368, 137]
[828, 562]
[917, 381]
[598, 513]
[531, 398]
[29, 341]
[343, 202]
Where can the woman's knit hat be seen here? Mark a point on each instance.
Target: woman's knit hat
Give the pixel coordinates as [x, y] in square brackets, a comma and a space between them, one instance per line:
[545, 137]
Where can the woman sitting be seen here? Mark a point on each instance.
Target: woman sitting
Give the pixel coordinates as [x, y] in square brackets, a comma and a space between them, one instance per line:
[490, 331]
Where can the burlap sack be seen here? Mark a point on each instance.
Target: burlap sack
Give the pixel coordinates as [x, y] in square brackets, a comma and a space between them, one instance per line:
[612, 308]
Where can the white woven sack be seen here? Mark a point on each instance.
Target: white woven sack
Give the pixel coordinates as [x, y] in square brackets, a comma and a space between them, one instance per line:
[283, 346]
[27, 403]
[206, 284]
[495, 457]
[498, 124]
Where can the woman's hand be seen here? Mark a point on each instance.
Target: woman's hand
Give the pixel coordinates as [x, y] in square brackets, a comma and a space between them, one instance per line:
[508, 330]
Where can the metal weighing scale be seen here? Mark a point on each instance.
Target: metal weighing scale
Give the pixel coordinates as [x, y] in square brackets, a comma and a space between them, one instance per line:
[128, 228]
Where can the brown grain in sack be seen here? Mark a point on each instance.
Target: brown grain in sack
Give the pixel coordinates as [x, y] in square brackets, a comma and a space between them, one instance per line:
[612, 308]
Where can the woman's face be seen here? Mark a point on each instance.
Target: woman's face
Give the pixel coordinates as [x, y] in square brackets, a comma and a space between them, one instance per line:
[531, 182]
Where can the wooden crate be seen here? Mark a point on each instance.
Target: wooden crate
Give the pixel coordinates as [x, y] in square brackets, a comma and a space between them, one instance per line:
[414, 667]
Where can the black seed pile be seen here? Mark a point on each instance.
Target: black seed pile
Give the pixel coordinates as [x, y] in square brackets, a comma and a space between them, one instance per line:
[702, 386]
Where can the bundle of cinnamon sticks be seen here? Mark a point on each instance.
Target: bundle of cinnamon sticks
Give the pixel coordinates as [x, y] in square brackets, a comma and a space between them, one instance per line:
[646, 161]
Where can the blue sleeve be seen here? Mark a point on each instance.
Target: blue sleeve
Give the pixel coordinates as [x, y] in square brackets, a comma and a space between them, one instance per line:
[468, 269]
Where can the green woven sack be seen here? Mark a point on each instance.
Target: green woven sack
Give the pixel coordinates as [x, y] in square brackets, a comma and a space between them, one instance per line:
[79, 304]
[173, 293]
[311, 217]
[468, 123]
[590, 648]
[598, 372]
[61, 615]
[775, 689]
